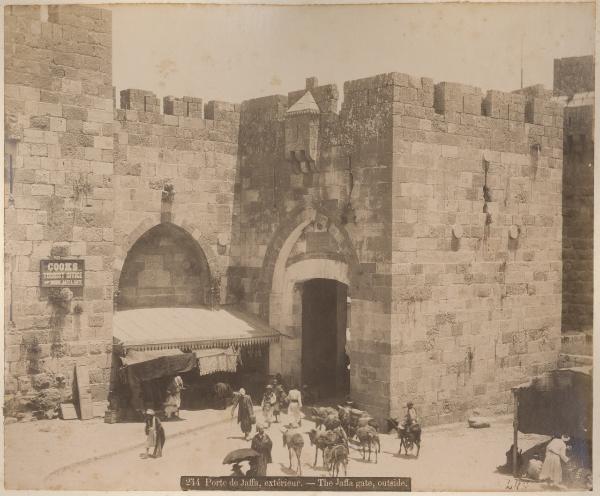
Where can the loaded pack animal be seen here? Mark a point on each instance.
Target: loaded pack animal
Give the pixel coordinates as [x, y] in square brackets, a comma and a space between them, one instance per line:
[368, 437]
[294, 441]
[321, 441]
[331, 422]
[321, 414]
[337, 455]
[409, 437]
[344, 416]
[222, 392]
[351, 419]
[366, 419]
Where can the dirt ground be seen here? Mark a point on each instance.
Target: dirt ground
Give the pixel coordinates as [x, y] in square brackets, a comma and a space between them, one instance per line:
[77, 455]
[33, 450]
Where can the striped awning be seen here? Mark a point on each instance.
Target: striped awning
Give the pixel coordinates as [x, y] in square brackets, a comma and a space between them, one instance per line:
[188, 328]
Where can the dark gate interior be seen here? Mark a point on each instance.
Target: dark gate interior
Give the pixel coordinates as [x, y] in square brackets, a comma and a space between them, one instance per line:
[324, 318]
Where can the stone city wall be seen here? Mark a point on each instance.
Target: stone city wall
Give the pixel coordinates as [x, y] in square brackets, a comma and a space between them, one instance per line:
[574, 79]
[59, 199]
[179, 168]
[438, 206]
[574, 75]
[476, 248]
[455, 226]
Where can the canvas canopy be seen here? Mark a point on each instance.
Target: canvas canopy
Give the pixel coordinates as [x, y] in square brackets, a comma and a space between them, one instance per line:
[148, 365]
[557, 402]
[152, 329]
[216, 360]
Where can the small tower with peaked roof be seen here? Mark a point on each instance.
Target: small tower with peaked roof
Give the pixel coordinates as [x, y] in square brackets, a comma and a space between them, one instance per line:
[302, 122]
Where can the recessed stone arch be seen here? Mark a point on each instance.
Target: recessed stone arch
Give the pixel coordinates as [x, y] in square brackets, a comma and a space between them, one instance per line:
[123, 248]
[190, 249]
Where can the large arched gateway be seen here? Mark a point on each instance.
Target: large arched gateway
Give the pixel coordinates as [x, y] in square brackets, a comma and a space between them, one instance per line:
[309, 304]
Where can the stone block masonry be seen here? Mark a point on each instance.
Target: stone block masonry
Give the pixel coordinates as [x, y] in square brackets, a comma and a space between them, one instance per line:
[438, 205]
[179, 149]
[476, 247]
[574, 75]
[574, 85]
[450, 202]
[60, 200]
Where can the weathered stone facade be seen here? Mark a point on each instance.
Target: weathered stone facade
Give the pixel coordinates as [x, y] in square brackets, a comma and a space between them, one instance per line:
[59, 200]
[437, 206]
[175, 167]
[476, 272]
[574, 86]
[87, 181]
[441, 210]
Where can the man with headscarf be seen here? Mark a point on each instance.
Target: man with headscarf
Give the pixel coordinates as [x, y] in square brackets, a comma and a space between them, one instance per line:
[268, 404]
[173, 399]
[245, 411]
[262, 444]
[155, 434]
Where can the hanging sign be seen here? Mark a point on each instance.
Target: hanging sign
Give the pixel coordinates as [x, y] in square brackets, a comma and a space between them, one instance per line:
[61, 273]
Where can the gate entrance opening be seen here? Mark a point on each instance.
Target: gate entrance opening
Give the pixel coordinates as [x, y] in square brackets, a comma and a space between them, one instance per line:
[324, 320]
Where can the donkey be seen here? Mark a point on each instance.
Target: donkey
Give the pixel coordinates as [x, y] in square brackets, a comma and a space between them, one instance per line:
[367, 436]
[337, 455]
[321, 441]
[294, 442]
[409, 437]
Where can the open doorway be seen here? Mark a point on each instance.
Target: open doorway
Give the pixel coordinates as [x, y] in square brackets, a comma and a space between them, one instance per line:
[324, 321]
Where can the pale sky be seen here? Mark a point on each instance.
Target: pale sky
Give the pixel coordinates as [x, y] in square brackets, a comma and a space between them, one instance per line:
[234, 53]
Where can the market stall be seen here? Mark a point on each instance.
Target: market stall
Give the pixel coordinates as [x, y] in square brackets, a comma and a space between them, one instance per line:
[557, 402]
[203, 346]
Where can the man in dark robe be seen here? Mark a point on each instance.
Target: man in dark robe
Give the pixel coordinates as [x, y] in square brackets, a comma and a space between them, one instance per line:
[281, 382]
[245, 411]
[262, 444]
[280, 399]
[155, 434]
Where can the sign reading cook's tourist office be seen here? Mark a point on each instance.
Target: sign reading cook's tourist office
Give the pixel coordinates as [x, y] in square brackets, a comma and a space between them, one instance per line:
[61, 273]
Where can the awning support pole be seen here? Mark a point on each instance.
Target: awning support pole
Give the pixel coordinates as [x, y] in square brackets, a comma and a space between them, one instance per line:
[515, 433]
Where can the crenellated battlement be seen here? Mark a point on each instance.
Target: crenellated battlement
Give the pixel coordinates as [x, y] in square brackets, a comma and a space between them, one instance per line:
[146, 101]
[532, 105]
[528, 105]
[222, 111]
[187, 106]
